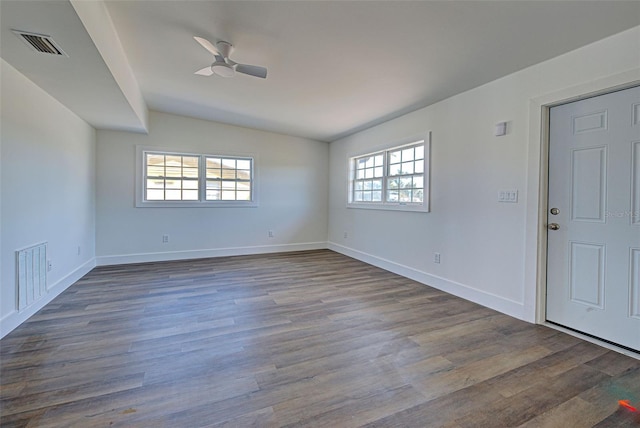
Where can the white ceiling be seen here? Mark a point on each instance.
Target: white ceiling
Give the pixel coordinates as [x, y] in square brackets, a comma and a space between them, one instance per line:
[335, 67]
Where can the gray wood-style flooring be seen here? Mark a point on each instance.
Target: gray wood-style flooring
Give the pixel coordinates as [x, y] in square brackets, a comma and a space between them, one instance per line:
[296, 339]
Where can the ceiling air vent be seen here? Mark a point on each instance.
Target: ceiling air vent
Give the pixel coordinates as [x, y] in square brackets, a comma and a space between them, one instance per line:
[40, 43]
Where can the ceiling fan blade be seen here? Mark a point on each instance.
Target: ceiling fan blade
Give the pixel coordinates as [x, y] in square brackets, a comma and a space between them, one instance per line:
[207, 71]
[252, 70]
[207, 45]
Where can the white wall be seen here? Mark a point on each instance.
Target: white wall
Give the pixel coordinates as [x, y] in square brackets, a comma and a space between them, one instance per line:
[293, 195]
[47, 189]
[488, 248]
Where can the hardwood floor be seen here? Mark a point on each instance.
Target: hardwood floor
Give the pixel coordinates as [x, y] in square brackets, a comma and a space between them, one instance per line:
[297, 339]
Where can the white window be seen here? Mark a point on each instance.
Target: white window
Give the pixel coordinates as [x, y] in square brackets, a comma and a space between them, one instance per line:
[170, 179]
[396, 178]
[228, 179]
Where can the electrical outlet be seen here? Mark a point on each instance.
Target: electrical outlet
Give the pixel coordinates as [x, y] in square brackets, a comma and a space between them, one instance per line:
[436, 257]
[79, 250]
[165, 239]
[346, 235]
[271, 234]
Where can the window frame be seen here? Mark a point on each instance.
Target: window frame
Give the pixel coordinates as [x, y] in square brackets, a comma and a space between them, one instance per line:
[385, 150]
[202, 202]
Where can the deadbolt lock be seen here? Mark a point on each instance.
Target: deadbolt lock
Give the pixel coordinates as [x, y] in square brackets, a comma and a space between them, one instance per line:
[553, 226]
[554, 211]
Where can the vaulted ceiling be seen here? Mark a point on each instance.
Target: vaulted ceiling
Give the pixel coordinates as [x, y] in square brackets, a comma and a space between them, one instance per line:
[335, 67]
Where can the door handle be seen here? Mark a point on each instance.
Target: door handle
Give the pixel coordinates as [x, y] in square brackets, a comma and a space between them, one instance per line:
[553, 226]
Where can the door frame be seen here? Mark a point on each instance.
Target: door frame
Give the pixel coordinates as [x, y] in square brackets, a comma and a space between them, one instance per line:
[538, 188]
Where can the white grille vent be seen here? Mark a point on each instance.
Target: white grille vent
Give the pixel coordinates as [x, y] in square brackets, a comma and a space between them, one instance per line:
[32, 274]
[40, 43]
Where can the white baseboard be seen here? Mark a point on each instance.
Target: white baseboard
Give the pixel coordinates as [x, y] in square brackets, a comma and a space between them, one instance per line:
[12, 320]
[500, 304]
[201, 254]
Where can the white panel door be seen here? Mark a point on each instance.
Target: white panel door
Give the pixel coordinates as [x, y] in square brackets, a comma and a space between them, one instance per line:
[593, 264]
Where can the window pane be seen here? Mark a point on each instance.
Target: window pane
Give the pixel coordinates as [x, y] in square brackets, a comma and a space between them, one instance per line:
[173, 160]
[392, 196]
[393, 183]
[190, 184]
[369, 162]
[376, 196]
[407, 167]
[420, 152]
[229, 163]
[214, 173]
[407, 155]
[394, 169]
[358, 185]
[155, 184]
[378, 172]
[418, 182]
[376, 184]
[173, 171]
[417, 195]
[367, 196]
[405, 182]
[155, 159]
[155, 171]
[190, 172]
[228, 185]
[229, 174]
[190, 195]
[368, 173]
[360, 174]
[173, 195]
[379, 160]
[394, 157]
[213, 185]
[244, 174]
[228, 195]
[213, 195]
[244, 195]
[173, 184]
[214, 162]
[155, 195]
[243, 185]
[367, 185]
[190, 161]
[405, 195]
[419, 167]
[243, 164]
[357, 196]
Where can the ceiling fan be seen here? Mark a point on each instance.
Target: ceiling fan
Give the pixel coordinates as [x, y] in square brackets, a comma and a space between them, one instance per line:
[223, 65]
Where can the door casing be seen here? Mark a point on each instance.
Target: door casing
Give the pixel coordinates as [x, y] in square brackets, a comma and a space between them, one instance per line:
[538, 188]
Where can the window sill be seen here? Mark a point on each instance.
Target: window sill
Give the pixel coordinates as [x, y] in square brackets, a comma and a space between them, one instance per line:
[195, 204]
[390, 207]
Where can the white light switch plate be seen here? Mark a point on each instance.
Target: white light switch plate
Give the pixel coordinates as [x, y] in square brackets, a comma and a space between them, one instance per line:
[508, 196]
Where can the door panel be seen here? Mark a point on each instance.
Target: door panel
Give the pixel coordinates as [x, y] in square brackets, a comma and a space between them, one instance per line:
[593, 272]
[635, 192]
[588, 184]
[587, 274]
[635, 282]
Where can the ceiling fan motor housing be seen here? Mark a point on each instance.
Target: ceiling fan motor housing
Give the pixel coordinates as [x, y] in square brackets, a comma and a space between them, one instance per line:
[223, 69]
[224, 48]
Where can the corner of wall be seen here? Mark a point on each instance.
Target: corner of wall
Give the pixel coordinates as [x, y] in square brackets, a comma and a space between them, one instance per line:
[15, 318]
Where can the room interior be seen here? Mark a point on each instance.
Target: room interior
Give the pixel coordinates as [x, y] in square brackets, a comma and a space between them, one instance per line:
[344, 79]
